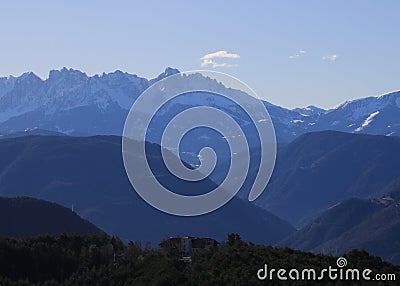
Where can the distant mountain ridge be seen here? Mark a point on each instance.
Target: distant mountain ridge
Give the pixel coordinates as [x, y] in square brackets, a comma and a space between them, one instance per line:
[379, 115]
[369, 224]
[71, 102]
[321, 169]
[88, 172]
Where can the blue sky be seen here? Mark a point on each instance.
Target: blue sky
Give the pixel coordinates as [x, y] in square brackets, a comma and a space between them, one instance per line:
[292, 53]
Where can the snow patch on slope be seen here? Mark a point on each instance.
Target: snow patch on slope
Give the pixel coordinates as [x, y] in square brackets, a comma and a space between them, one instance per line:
[367, 121]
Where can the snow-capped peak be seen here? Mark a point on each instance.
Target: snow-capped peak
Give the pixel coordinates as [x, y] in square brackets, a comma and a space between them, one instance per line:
[358, 108]
[393, 93]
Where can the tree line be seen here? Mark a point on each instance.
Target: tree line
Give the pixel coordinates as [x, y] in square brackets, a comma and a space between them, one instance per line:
[72, 260]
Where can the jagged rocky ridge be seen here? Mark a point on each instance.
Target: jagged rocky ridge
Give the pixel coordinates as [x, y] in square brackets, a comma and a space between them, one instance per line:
[71, 102]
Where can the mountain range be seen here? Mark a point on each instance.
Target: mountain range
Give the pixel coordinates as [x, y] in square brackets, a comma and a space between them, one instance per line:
[321, 169]
[334, 177]
[313, 173]
[336, 199]
[71, 102]
[88, 173]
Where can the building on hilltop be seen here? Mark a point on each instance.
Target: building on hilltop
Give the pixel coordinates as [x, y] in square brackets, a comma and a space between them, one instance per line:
[186, 245]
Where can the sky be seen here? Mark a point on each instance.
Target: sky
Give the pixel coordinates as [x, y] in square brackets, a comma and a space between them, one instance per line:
[291, 53]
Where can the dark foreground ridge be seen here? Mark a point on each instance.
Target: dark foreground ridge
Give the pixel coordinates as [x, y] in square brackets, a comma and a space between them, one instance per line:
[24, 216]
[103, 260]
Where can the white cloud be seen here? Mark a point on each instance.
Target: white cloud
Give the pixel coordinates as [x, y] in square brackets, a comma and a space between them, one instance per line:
[208, 59]
[297, 54]
[220, 54]
[331, 58]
